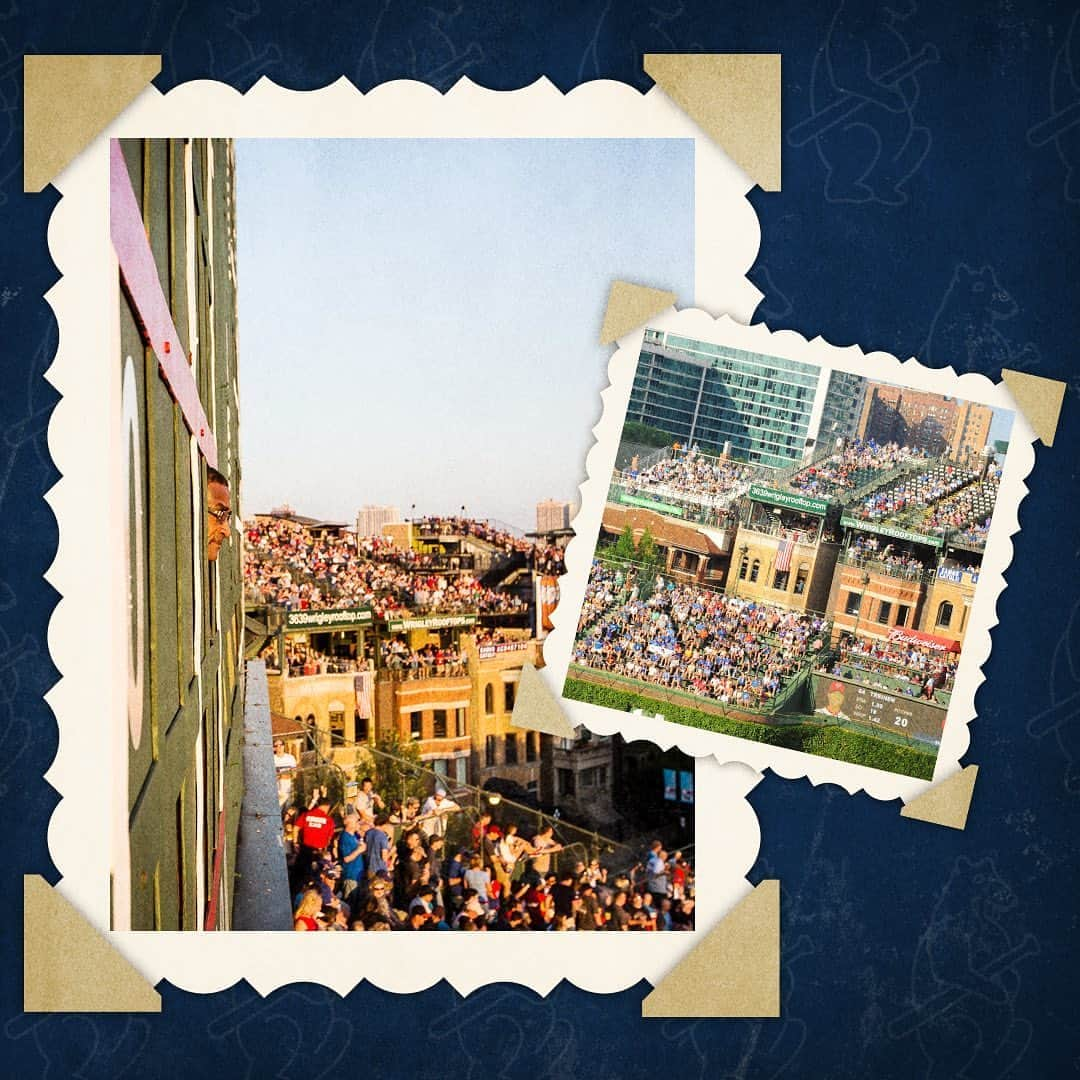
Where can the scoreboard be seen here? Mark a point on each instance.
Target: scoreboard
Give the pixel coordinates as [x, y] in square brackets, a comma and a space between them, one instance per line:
[844, 699]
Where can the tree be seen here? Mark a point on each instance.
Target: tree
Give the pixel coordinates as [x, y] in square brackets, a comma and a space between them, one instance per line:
[399, 772]
[649, 561]
[624, 546]
[647, 552]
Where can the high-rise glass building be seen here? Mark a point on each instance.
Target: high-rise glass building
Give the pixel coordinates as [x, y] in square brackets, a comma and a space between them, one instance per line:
[770, 409]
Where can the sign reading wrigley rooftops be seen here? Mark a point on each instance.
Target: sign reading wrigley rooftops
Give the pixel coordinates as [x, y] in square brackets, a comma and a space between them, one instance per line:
[431, 622]
[761, 493]
[332, 618]
[894, 531]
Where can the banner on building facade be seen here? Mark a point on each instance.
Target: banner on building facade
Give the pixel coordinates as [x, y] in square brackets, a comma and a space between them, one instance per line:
[549, 599]
[919, 637]
[487, 651]
[431, 622]
[761, 493]
[363, 684]
[686, 787]
[330, 619]
[958, 575]
[669, 509]
[894, 531]
[671, 785]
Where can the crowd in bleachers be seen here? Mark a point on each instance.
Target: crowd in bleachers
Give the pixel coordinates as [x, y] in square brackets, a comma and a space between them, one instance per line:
[689, 473]
[968, 510]
[915, 493]
[386, 866]
[922, 670]
[291, 567]
[686, 637]
[548, 559]
[487, 531]
[850, 467]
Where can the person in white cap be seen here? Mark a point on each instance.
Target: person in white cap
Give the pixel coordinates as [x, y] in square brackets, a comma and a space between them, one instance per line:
[433, 812]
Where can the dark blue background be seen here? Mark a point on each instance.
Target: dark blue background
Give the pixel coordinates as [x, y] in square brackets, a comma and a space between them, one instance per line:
[878, 912]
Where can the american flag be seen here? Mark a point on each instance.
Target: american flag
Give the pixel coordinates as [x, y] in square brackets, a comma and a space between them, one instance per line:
[362, 685]
[783, 554]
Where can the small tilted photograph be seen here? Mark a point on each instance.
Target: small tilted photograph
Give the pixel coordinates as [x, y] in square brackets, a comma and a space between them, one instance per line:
[789, 553]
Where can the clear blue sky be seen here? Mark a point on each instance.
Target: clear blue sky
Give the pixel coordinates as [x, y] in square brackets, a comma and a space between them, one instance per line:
[418, 318]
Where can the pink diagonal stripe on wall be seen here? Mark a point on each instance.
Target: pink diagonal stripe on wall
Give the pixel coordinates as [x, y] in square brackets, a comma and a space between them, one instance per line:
[139, 272]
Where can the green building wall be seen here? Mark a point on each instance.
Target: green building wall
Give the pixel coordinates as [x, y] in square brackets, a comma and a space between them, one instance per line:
[184, 769]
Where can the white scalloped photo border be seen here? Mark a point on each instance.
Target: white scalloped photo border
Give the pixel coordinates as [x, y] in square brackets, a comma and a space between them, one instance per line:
[792, 764]
[86, 630]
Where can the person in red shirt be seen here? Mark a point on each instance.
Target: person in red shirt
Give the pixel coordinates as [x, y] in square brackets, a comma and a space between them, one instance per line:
[315, 828]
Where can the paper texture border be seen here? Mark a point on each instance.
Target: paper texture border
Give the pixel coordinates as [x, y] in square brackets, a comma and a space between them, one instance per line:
[84, 439]
[700, 325]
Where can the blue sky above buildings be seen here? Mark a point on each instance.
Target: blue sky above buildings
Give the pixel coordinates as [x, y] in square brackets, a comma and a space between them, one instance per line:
[419, 318]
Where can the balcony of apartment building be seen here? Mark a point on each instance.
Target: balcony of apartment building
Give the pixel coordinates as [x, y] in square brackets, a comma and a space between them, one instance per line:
[910, 571]
[872, 602]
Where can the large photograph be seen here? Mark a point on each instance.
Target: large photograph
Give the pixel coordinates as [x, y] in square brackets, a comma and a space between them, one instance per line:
[337, 572]
[789, 553]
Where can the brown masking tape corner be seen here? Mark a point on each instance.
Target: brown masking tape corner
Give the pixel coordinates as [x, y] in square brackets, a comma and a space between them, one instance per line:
[537, 709]
[734, 98]
[946, 803]
[1039, 399]
[68, 101]
[630, 306]
[734, 972]
[69, 966]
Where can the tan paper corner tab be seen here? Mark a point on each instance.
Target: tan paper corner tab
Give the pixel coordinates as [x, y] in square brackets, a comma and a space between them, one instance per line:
[734, 98]
[630, 306]
[68, 101]
[1039, 399]
[946, 803]
[734, 972]
[536, 707]
[69, 966]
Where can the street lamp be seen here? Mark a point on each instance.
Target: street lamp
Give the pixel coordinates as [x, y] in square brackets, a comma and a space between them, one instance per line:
[743, 548]
[864, 581]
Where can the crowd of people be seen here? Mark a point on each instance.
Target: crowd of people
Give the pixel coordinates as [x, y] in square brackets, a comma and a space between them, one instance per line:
[967, 511]
[920, 670]
[289, 566]
[380, 867]
[691, 474]
[850, 467]
[914, 492]
[302, 659]
[880, 552]
[686, 637]
[422, 663]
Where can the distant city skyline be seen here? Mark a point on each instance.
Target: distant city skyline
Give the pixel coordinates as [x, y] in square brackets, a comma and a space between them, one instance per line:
[419, 318]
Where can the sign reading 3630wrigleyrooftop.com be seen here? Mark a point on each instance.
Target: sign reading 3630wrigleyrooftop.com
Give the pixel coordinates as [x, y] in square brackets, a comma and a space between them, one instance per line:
[329, 619]
[790, 499]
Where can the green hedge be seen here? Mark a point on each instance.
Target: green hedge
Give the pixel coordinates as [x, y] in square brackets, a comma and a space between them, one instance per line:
[839, 743]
